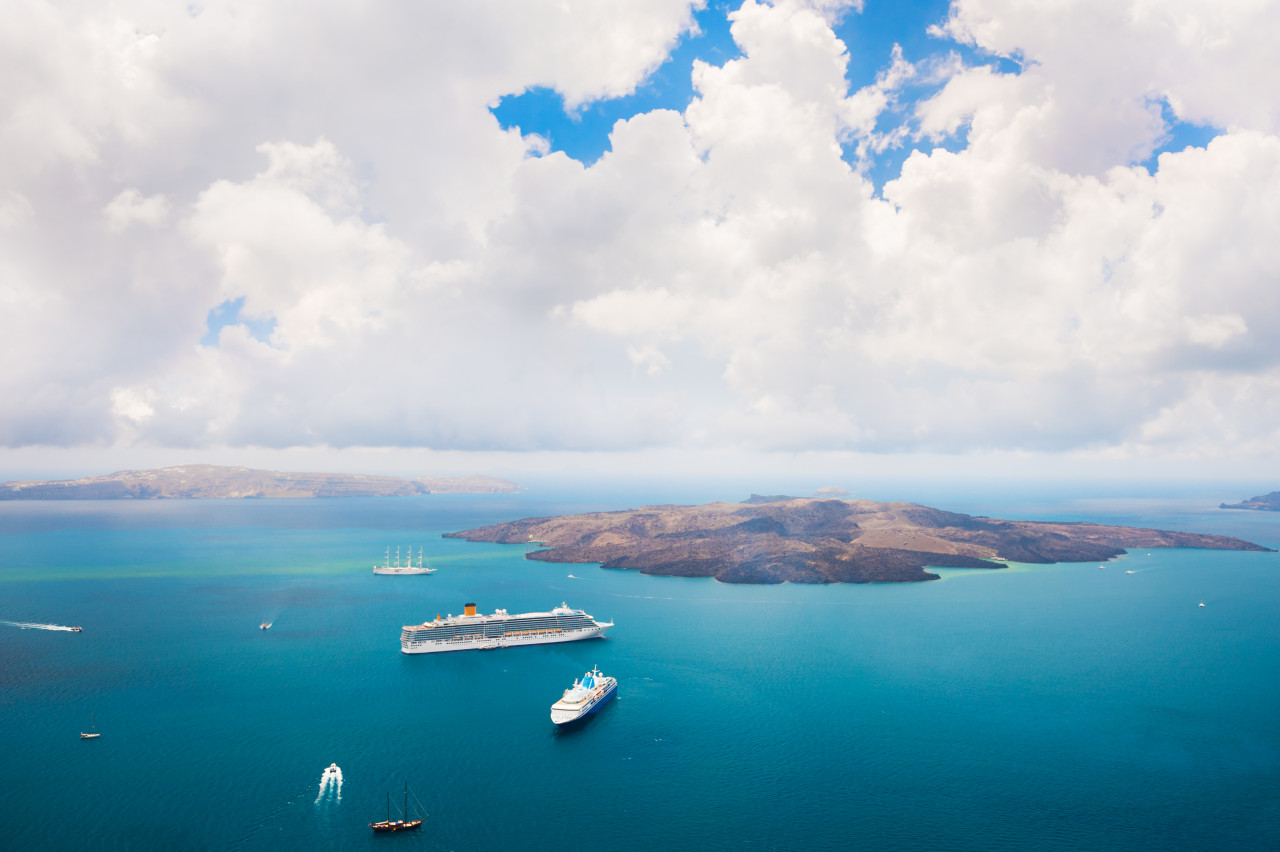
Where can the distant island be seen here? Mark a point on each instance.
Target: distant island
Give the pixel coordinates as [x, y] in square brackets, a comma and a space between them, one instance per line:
[219, 482]
[1265, 502]
[777, 539]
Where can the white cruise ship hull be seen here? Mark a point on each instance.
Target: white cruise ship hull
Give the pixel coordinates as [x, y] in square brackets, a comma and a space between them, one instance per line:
[394, 571]
[563, 712]
[489, 643]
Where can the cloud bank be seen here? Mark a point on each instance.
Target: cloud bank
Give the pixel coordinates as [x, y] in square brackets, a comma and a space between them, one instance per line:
[726, 274]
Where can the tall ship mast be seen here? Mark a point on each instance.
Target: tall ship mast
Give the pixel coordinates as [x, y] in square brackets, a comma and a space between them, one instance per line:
[408, 568]
[472, 631]
[402, 824]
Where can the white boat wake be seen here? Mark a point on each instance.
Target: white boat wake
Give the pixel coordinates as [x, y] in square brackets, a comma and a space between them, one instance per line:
[330, 784]
[24, 625]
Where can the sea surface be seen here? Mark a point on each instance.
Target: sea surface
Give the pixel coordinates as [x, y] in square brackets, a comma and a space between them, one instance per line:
[1072, 706]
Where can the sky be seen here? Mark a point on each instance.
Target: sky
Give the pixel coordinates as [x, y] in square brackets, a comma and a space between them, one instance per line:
[598, 235]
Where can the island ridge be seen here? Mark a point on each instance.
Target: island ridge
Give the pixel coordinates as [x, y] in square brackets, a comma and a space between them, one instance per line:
[809, 540]
[219, 482]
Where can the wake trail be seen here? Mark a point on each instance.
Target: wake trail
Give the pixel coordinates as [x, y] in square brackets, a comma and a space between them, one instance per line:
[270, 818]
[330, 785]
[324, 785]
[25, 625]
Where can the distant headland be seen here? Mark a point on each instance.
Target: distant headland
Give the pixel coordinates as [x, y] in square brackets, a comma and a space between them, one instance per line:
[219, 482]
[1264, 502]
[779, 539]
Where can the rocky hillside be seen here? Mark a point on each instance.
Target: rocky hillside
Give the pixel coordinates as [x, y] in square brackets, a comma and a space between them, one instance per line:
[780, 539]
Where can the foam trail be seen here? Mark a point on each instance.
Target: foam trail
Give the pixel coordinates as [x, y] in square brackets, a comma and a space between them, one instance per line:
[24, 625]
[330, 784]
[324, 784]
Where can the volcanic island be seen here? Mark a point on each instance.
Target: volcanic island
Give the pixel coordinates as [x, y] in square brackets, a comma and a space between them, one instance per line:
[810, 540]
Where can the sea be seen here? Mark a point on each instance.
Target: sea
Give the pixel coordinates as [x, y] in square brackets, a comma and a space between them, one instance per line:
[1060, 707]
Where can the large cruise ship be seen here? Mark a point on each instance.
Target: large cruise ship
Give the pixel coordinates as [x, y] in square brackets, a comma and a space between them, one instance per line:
[474, 632]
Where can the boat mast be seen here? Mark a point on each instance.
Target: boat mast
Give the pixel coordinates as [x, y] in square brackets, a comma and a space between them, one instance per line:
[406, 801]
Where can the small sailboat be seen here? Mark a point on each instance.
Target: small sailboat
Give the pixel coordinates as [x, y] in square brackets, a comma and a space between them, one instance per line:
[93, 730]
[404, 824]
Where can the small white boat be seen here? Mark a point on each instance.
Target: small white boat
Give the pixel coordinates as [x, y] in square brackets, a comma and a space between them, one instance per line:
[93, 730]
[1201, 603]
[1131, 572]
[332, 769]
[266, 625]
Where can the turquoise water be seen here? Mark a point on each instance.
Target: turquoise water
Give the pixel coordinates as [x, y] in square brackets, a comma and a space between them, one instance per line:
[1047, 707]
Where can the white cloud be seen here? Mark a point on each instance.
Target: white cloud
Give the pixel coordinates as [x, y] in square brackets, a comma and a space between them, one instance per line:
[131, 208]
[130, 405]
[1215, 330]
[15, 210]
[721, 277]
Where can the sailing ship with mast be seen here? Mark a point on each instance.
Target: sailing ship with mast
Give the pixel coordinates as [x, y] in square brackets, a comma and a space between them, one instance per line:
[408, 568]
[403, 824]
[93, 730]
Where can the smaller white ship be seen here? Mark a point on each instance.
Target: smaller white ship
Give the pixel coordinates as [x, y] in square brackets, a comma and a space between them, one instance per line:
[1201, 603]
[585, 697]
[407, 568]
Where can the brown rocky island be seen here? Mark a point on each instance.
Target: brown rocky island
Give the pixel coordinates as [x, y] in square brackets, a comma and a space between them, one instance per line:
[785, 539]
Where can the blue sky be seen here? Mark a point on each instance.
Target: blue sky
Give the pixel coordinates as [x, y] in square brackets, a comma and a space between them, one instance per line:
[869, 37]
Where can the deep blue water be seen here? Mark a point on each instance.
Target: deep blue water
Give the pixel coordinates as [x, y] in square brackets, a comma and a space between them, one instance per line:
[1046, 707]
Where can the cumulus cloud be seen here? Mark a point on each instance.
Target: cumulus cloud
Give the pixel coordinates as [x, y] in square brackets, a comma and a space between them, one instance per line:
[131, 208]
[724, 275]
